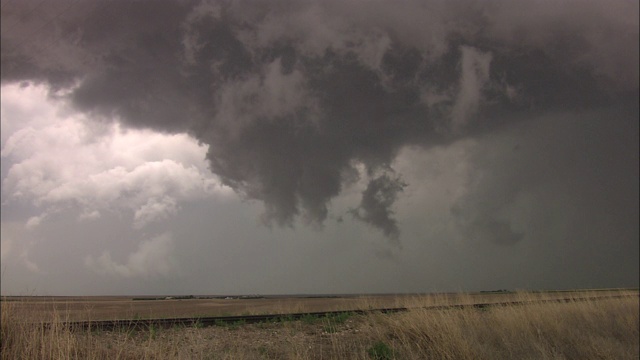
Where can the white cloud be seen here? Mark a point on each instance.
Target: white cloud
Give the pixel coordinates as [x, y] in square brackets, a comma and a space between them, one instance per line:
[155, 209]
[55, 157]
[152, 258]
[34, 221]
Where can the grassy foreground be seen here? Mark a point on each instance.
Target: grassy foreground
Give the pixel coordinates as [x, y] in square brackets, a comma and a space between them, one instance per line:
[597, 329]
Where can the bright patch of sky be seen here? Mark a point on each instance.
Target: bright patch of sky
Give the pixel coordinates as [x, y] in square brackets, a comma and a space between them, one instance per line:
[56, 160]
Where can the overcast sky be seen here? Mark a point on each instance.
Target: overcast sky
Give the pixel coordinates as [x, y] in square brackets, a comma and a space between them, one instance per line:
[288, 147]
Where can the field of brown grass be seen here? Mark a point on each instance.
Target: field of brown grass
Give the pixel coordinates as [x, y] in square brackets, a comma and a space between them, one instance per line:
[120, 307]
[594, 329]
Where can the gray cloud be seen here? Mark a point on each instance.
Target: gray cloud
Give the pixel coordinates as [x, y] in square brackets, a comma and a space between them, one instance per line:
[573, 174]
[375, 207]
[152, 258]
[291, 96]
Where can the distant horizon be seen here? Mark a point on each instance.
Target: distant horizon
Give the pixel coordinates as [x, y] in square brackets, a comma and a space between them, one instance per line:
[319, 295]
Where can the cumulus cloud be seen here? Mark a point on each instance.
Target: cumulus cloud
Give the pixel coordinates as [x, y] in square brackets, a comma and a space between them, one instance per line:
[155, 209]
[152, 258]
[61, 161]
[288, 95]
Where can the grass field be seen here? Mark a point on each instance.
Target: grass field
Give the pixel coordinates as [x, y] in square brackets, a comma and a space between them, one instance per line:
[121, 307]
[595, 329]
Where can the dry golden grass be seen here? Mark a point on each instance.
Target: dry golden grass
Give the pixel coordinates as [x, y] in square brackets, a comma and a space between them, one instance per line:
[114, 307]
[596, 329]
[603, 329]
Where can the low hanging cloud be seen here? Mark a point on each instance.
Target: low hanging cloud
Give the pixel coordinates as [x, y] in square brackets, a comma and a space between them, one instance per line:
[290, 96]
[375, 207]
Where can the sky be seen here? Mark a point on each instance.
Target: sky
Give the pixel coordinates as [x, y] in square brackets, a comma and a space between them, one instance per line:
[318, 147]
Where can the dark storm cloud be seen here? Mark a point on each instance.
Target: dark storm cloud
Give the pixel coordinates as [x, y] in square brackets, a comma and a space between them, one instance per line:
[291, 96]
[377, 200]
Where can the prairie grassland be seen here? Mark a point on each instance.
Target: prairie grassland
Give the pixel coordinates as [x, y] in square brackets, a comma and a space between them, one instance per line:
[596, 329]
[120, 307]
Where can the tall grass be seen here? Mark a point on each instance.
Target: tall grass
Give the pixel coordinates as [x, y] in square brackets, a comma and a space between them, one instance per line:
[22, 339]
[602, 329]
[595, 329]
